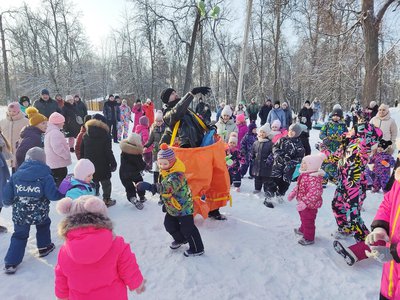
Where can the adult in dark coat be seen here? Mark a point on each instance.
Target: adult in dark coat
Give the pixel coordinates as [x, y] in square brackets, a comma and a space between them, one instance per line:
[96, 146]
[200, 107]
[71, 126]
[45, 105]
[264, 111]
[112, 114]
[306, 114]
[190, 133]
[80, 107]
[252, 110]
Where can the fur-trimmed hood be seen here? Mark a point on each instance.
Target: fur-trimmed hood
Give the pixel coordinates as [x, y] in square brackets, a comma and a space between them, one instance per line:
[97, 123]
[83, 220]
[128, 148]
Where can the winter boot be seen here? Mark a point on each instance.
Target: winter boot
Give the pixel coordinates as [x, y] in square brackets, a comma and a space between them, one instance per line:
[138, 204]
[345, 252]
[142, 199]
[305, 242]
[298, 232]
[3, 229]
[10, 269]
[46, 251]
[109, 202]
[175, 245]
[189, 252]
[216, 215]
[340, 235]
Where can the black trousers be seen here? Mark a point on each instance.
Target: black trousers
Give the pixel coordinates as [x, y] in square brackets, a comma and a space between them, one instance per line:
[183, 229]
[113, 129]
[59, 174]
[262, 181]
[130, 188]
[276, 187]
[236, 179]
[106, 186]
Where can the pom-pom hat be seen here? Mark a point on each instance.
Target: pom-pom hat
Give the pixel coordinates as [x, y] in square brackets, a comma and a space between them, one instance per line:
[81, 205]
[34, 116]
[166, 153]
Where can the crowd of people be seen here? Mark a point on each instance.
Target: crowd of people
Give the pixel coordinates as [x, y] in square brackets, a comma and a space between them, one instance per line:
[37, 141]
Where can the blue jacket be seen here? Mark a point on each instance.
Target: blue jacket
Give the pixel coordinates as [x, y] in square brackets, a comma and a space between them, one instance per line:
[29, 191]
[277, 114]
[4, 176]
[79, 188]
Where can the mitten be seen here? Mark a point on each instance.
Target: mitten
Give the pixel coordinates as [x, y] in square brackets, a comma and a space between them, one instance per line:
[292, 195]
[201, 90]
[145, 186]
[385, 163]
[379, 253]
[378, 234]
[301, 206]
[303, 120]
[228, 160]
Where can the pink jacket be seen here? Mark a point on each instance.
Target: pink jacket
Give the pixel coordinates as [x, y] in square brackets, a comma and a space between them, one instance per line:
[138, 111]
[56, 148]
[386, 217]
[279, 135]
[308, 190]
[95, 265]
[242, 130]
[143, 131]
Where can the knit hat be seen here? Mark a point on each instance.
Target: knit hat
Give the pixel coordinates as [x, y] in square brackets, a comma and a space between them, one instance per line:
[166, 153]
[277, 102]
[240, 118]
[372, 104]
[34, 116]
[337, 105]
[23, 99]
[116, 97]
[69, 97]
[100, 118]
[124, 102]
[158, 115]
[45, 92]
[337, 112]
[56, 118]
[307, 102]
[83, 204]
[314, 161]
[14, 106]
[226, 111]
[165, 95]
[134, 139]
[233, 139]
[384, 106]
[276, 123]
[234, 134]
[111, 95]
[144, 121]
[265, 128]
[36, 153]
[83, 169]
[251, 127]
[384, 144]
[296, 128]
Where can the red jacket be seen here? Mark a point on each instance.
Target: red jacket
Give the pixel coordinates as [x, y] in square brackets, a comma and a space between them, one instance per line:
[149, 112]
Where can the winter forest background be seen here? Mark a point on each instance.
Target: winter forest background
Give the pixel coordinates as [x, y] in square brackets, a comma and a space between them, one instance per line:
[154, 42]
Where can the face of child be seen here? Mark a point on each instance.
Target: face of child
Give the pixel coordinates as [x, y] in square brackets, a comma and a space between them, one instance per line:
[291, 133]
[25, 103]
[89, 178]
[303, 166]
[163, 164]
[226, 118]
[275, 128]
[159, 123]
[42, 126]
[262, 134]
[232, 145]
[12, 111]
[335, 118]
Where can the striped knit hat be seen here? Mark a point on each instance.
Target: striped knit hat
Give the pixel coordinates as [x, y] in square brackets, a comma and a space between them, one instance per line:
[166, 153]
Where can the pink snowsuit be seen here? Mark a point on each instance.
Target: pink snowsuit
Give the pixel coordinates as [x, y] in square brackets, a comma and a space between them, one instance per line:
[143, 131]
[387, 217]
[242, 130]
[95, 265]
[138, 111]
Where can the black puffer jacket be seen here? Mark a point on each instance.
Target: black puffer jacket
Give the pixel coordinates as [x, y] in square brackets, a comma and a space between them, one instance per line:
[96, 146]
[264, 111]
[306, 113]
[261, 151]
[46, 108]
[71, 127]
[131, 161]
[190, 133]
[81, 108]
[111, 111]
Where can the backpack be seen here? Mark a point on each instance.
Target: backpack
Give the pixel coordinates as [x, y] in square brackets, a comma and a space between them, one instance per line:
[67, 185]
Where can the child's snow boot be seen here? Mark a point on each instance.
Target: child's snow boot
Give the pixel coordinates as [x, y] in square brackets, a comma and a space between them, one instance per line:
[109, 202]
[305, 242]
[175, 245]
[345, 252]
[298, 232]
[10, 269]
[189, 252]
[46, 251]
[138, 204]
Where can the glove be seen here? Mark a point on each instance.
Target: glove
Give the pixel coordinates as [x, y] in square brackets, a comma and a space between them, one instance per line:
[378, 234]
[379, 253]
[228, 160]
[145, 186]
[303, 120]
[385, 163]
[201, 90]
[301, 206]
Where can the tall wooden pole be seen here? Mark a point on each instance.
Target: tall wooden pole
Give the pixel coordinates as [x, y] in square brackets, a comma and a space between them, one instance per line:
[5, 61]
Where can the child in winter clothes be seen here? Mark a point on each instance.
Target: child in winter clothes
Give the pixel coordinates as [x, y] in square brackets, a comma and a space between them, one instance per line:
[148, 108]
[132, 165]
[11, 127]
[277, 131]
[236, 159]
[32, 135]
[308, 193]
[242, 128]
[178, 203]
[24, 103]
[246, 149]
[4, 172]
[58, 156]
[96, 146]
[93, 263]
[80, 136]
[80, 183]
[156, 132]
[226, 125]
[287, 153]
[138, 111]
[29, 191]
[262, 159]
[382, 162]
[143, 130]
[125, 117]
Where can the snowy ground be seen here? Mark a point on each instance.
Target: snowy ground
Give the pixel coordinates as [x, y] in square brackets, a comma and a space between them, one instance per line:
[252, 255]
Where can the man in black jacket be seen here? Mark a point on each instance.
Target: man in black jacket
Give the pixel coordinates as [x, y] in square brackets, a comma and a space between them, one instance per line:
[45, 105]
[264, 111]
[190, 133]
[112, 114]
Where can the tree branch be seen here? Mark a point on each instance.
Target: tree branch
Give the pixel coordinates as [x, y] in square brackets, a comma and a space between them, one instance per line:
[382, 11]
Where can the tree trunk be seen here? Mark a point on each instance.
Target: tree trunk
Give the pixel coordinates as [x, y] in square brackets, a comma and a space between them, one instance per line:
[5, 62]
[276, 49]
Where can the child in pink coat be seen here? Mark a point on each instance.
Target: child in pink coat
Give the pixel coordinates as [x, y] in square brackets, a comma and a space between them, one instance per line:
[308, 193]
[143, 130]
[242, 128]
[386, 229]
[277, 131]
[93, 263]
[138, 112]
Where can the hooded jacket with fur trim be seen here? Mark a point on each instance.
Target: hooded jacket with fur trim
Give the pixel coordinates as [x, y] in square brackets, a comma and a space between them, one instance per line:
[132, 162]
[93, 263]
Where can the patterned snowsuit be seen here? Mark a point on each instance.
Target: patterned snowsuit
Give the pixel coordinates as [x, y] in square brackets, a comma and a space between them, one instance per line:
[381, 173]
[123, 125]
[352, 158]
[246, 146]
[234, 170]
